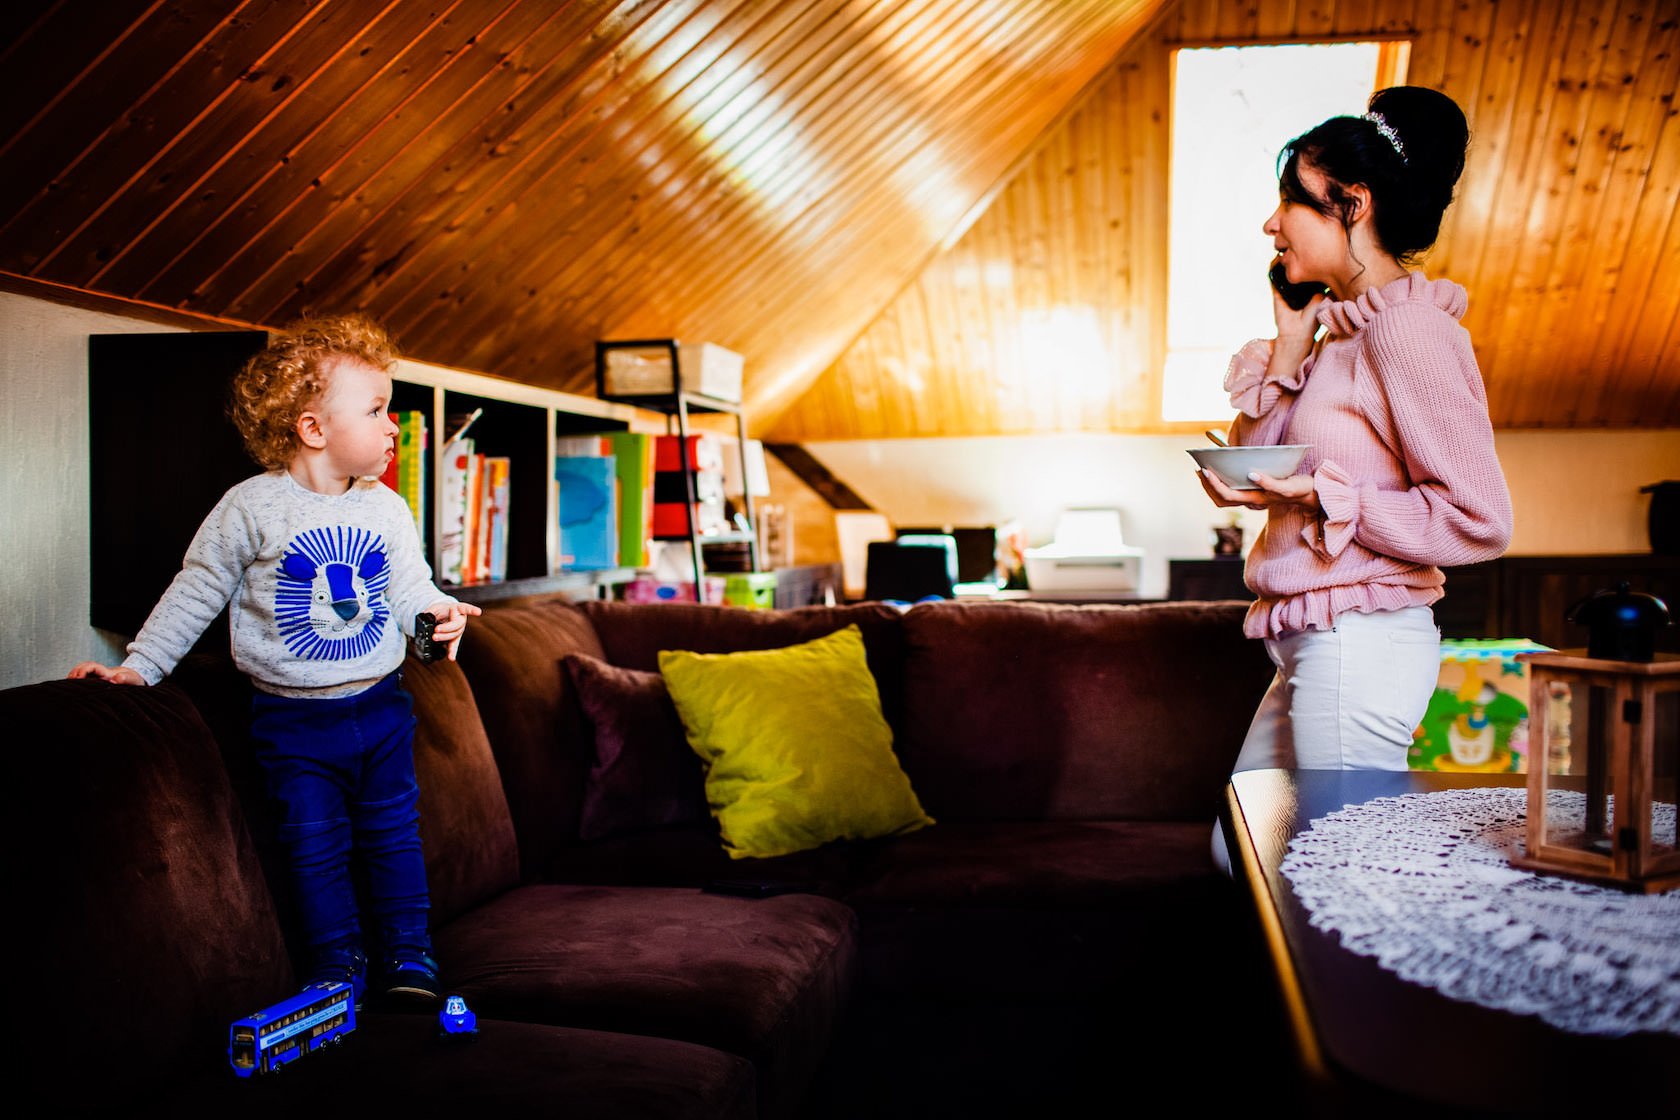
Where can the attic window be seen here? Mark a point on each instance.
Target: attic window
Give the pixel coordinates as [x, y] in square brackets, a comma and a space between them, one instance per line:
[1233, 109]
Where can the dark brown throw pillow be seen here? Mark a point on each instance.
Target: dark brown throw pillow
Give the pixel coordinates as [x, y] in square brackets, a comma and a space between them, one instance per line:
[644, 776]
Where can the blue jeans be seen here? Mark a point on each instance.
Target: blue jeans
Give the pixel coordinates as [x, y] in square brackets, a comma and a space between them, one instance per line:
[341, 773]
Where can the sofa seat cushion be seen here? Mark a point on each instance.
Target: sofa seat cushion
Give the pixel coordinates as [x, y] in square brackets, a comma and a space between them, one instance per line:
[1039, 908]
[766, 979]
[394, 1065]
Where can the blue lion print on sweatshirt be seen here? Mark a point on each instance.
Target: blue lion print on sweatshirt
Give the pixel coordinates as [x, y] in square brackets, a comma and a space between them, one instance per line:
[329, 599]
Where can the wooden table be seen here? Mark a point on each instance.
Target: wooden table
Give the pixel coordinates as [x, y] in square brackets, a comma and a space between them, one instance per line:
[1370, 1041]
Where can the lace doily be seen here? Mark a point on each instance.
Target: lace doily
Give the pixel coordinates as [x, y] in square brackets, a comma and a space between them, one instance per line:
[1420, 882]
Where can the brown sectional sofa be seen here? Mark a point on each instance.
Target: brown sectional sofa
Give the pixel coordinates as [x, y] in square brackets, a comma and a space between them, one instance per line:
[1073, 758]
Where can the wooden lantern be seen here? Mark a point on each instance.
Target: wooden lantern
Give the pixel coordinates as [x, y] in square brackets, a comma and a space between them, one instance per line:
[1621, 764]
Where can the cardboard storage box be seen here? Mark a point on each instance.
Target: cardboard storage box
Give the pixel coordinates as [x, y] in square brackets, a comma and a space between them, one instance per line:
[645, 370]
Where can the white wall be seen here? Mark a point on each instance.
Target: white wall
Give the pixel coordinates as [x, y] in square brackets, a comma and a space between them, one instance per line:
[44, 487]
[1573, 492]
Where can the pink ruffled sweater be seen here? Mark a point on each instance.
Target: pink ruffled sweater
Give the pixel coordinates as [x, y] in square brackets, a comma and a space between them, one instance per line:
[1392, 404]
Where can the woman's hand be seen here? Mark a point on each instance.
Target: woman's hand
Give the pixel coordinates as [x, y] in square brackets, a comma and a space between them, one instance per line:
[451, 622]
[1296, 490]
[119, 675]
[1296, 328]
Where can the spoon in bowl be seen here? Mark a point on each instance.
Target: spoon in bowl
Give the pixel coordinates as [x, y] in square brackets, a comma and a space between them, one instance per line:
[1218, 440]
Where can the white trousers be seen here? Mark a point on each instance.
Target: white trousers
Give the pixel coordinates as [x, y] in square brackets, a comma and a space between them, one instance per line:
[1347, 698]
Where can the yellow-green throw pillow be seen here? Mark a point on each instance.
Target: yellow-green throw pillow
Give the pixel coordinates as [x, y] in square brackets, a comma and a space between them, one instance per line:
[797, 752]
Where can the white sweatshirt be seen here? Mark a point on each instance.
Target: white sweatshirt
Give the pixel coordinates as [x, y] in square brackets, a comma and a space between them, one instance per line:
[314, 580]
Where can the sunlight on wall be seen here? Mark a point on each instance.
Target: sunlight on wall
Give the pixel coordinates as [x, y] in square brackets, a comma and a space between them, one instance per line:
[1233, 110]
[1065, 346]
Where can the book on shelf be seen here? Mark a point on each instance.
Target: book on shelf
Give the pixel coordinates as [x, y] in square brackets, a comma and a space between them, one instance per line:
[589, 531]
[475, 515]
[497, 470]
[472, 556]
[632, 453]
[405, 473]
[412, 441]
[671, 511]
[452, 511]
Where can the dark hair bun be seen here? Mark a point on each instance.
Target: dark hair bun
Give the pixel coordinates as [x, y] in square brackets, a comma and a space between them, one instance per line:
[1409, 193]
[1432, 128]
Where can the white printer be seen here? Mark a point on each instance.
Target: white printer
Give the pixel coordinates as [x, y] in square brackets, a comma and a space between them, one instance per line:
[1087, 554]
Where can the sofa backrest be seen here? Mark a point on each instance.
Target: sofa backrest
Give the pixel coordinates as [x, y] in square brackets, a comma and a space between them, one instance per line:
[511, 656]
[544, 748]
[1039, 712]
[146, 923]
[466, 829]
[632, 634]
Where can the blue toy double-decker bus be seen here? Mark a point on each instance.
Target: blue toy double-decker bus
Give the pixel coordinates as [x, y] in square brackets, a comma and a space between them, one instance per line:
[279, 1035]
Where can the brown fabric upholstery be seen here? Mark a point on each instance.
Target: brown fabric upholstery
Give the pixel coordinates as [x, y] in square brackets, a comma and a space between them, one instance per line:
[149, 924]
[1035, 864]
[644, 775]
[511, 656]
[694, 856]
[632, 634]
[763, 978]
[465, 829]
[1027, 711]
[1037, 908]
[392, 1065]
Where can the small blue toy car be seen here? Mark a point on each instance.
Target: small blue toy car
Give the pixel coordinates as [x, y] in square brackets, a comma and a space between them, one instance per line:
[455, 1022]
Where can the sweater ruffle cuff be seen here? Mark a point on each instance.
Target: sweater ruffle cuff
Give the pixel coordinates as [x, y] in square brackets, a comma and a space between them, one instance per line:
[1330, 533]
[1245, 379]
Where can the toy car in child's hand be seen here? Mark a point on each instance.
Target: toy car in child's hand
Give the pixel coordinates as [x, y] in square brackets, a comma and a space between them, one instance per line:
[426, 647]
[455, 1022]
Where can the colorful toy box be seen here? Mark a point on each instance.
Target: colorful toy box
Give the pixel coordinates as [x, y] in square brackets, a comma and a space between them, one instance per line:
[755, 590]
[1477, 719]
[649, 589]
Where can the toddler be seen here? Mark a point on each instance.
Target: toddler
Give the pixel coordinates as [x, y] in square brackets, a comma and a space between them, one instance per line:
[325, 573]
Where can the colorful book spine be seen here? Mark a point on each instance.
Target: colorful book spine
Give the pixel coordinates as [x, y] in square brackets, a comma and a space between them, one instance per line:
[634, 454]
[457, 459]
[588, 511]
[472, 559]
[671, 510]
[498, 470]
[411, 464]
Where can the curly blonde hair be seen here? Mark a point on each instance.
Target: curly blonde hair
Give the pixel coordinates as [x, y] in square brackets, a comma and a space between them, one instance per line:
[279, 384]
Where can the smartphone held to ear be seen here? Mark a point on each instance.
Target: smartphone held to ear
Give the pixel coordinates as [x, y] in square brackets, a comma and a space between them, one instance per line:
[1296, 296]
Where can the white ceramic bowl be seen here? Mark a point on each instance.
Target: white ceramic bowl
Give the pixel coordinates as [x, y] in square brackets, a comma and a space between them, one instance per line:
[1233, 464]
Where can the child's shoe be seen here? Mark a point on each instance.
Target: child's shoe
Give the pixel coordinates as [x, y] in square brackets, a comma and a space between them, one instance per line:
[411, 978]
[349, 966]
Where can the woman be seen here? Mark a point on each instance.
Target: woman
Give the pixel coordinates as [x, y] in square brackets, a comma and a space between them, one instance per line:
[1401, 476]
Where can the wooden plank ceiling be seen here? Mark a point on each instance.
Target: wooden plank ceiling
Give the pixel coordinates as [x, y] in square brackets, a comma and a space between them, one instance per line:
[503, 182]
[1564, 230]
